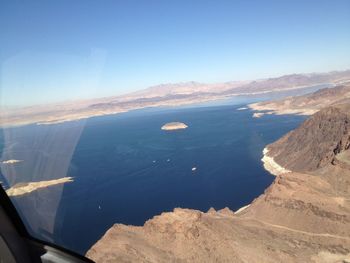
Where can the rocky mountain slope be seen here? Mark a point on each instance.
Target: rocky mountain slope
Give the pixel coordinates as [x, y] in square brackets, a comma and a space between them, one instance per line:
[306, 104]
[304, 216]
[316, 142]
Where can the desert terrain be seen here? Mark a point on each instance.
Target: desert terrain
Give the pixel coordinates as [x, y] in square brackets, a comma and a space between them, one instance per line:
[304, 216]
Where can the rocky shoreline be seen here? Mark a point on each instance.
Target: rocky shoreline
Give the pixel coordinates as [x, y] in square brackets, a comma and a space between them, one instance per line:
[271, 165]
[306, 105]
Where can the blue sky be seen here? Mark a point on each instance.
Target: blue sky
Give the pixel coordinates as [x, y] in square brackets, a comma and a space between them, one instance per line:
[64, 50]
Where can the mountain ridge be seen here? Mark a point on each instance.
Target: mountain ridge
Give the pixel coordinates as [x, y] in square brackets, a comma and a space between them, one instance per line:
[306, 104]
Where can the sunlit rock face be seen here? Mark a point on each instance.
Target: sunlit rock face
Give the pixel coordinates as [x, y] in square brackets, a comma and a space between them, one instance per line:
[316, 142]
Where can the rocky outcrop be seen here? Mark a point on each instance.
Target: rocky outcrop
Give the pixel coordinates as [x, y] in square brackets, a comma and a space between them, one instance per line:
[171, 126]
[316, 142]
[302, 217]
[29, 187]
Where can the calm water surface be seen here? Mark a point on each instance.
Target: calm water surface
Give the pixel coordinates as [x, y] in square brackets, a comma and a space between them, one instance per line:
[126, 169]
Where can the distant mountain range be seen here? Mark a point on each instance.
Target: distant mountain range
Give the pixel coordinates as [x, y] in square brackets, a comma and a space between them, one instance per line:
[164, 95]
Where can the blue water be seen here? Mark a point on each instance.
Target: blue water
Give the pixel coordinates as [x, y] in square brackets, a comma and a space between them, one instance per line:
[126, 169]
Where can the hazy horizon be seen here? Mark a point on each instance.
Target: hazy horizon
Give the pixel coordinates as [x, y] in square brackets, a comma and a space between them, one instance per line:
[4, 106]
[54, 52]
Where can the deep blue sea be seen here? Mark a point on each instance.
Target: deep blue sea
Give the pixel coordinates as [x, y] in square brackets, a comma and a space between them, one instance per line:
[127, 170]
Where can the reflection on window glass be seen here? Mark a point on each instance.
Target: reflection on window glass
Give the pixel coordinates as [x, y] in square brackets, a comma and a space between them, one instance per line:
[187, 131]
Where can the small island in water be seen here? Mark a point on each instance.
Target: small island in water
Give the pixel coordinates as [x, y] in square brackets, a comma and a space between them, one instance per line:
[171, 126]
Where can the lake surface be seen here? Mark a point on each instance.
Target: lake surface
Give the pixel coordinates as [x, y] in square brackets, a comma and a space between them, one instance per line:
[126, 169]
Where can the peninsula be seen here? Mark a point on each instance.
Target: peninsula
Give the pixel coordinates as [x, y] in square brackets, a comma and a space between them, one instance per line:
[305, 104]
[26, 188]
